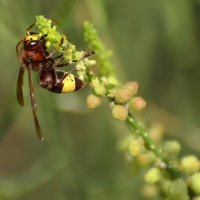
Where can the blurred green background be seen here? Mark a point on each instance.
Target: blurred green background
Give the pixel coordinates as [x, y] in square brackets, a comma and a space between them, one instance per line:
[154, 42]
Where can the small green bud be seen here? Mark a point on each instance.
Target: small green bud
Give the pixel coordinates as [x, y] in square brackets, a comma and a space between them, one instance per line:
[125, 92]
[111, 93]
[93, 101]
[95, 81]
[136, 146]
[172, 148]
[104, 80]
[122, 95]
[178, 190]
[195, 182]
[153, 175]
[146, 159]
[137, 103]
[81, 66]
[164, 185]
[48, 44]
[78, 55]
[112, 81]
[119, 112]
[132, 86]
[190, 164]
[99, 89]
[90, 62]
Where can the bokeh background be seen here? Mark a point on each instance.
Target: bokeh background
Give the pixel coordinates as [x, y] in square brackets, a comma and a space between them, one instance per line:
[154, 42]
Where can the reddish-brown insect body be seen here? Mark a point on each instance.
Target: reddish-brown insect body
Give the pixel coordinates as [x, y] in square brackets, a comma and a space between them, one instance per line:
[33, 56]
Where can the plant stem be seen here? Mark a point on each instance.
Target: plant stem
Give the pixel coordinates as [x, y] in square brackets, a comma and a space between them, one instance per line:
[137, 128]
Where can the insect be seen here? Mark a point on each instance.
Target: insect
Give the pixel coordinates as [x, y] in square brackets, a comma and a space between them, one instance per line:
[33, 56]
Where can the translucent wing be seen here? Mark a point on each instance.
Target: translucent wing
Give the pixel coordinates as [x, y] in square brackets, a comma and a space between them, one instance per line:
[34, 106]
[20, 97]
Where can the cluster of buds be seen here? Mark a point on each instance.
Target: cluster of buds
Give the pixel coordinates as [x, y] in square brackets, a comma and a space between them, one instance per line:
[173, 188]
[123, 99]
[180, 188]
[102, 86]
[56, 40]
[156, 177]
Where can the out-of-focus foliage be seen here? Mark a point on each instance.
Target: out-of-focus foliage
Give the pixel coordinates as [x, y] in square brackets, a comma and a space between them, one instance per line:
[154, 42]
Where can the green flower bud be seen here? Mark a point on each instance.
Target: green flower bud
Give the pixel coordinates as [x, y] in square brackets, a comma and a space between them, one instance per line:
[137, 103]
[164, 185]
[104, 80]
[190, 164]
[153, 175]
[145, 159]
[136, 146]
[125, 93]
[81, 66]
[95, 81]
[78, 55]
[111, 93]
[93, 101]
[132, 86]
[112, 81]
[99, 89]
[172, 148]
[119, 112]
[195, 183]
[43, 23]
[178, 190]
[122, 95]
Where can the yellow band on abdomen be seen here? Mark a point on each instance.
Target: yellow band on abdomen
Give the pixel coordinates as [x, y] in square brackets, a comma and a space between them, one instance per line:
[69, 83]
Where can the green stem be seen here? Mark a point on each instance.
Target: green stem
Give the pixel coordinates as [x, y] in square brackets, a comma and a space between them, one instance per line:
[137, 128]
